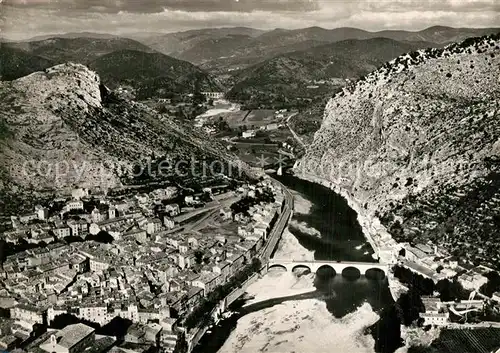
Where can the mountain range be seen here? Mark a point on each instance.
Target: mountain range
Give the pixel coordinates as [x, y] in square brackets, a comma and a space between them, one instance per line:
[233, 48]
[120, 61]
[236, 48]
[288, 75]
[77, 49]
[15, 63]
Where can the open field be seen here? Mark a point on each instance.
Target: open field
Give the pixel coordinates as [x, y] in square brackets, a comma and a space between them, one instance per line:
[260, 116]
[251, 119]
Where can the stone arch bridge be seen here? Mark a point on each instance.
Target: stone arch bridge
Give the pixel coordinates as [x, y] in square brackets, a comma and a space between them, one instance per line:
[337, 266]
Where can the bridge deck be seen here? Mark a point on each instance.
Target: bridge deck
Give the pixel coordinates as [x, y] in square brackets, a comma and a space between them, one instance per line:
[338, 266]
[280, 261]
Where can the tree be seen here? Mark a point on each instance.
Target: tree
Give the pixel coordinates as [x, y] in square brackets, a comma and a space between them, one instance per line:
[162, 109]
[493, 284]
[409, 306]
[256, 264]
[198, 256]
[2, 251]
[198, 97]
[101, 237]
[451, 291]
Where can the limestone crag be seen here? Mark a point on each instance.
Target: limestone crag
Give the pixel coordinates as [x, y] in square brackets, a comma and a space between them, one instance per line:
[43, 150]
[416, 145]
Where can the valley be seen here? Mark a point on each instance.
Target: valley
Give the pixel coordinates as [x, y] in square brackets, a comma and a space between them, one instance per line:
[153, 184]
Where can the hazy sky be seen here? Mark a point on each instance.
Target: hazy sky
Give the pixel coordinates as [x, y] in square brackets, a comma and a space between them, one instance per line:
[27, 18]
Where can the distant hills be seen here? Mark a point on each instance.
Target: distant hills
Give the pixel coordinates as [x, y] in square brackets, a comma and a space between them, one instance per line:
[78, 49]
[16, 63]
[72, 35]
[240, 47]
[176, 43]
[292, 75]
[152, 74]
[252, 63]
[436, 34]
[119, 61]
[232, 48]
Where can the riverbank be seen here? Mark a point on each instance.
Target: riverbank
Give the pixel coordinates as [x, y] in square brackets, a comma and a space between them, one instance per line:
[371, 226]
[287, 312]
[302, 326]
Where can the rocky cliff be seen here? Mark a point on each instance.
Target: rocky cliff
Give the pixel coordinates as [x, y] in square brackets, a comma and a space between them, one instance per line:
[416, 145]
[61, 127]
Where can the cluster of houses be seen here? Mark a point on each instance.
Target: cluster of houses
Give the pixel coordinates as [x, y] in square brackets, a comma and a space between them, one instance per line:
[153, 273]
[437, 312]
[436, 263]
[252, 132]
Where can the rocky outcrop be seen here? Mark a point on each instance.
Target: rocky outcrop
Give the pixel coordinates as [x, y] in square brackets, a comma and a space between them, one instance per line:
[62, 128]
[44, 151]
[415, 145]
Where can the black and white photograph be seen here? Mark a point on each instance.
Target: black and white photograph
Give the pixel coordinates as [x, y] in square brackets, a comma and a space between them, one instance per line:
[249, 176]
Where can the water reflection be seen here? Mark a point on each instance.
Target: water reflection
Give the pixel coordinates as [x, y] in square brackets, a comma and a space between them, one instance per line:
[340, 239]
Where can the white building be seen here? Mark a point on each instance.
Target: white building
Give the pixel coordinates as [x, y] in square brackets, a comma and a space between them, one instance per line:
[28, 217]
[94, 229]
[435, 314]
[71, 339]
[248, 134]
[27, 314]
[78, 227]
[97, 216]
[153, 226]
[62, 232]
[112, 212]
[226, 213]
[168, 222]
[472, 280]
[97, 265]
[94, 313]
[213, 95]
[79, 193]
[272, 126]
[42, 212]
[172, 209]
[189, 200]
[74, 205]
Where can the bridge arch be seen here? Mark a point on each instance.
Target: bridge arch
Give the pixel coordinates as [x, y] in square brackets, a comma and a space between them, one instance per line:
[351, 272]
[375, 273]
[277, 266]
[326, 271]
[301, 267]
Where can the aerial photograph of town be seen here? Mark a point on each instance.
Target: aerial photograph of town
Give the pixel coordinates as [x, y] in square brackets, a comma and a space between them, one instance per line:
[254, 176]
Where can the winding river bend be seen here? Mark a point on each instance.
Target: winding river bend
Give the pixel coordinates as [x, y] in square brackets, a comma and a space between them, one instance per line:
[301, 312]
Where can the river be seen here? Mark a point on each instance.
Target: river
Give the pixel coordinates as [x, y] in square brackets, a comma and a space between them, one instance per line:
[287, 312]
